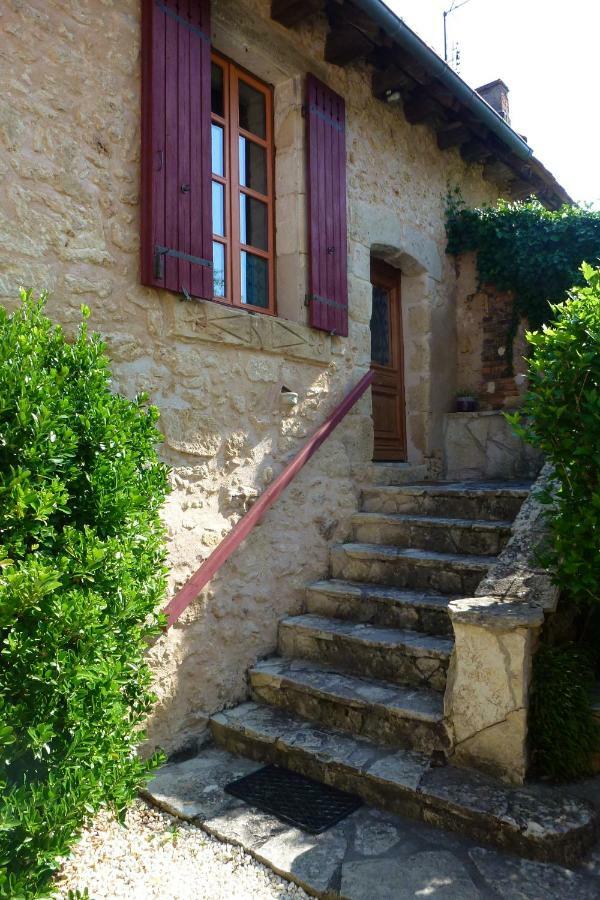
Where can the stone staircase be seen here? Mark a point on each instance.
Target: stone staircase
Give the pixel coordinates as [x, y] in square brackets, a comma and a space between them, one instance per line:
[356, 696]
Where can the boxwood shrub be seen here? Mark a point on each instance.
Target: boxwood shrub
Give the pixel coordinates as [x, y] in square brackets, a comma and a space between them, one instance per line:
[561, 416]
[82, 571]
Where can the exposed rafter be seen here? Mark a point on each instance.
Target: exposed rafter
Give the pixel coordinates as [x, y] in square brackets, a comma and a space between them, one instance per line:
[292, 12]
[427, 96]
[453, 135]
[421, 106]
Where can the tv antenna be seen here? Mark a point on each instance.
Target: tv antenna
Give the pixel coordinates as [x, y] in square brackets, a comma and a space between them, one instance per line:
[455, 59]
[447, 12]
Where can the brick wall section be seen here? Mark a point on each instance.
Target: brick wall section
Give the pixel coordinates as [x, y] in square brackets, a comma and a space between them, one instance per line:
[499, 388]
[483, 316]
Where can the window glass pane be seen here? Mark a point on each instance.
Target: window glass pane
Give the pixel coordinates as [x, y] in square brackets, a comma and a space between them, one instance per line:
[218, 164]
[217, 93]
[252, 110]
[253, 166]
[380, 327]
[253, 222]
[218, 208]
[255, 280]
[219, 285]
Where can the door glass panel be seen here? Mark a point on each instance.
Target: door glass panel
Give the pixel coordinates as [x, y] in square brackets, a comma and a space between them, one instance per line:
[255, 279]
[380, 327]
[219, 285]
[218, 157]
[253, 115]
[218, 208]
[253, 166]
[253, 222]
[217, 92]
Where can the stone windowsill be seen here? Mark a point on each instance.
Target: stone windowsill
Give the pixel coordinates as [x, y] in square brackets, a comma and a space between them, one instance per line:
[207, 321]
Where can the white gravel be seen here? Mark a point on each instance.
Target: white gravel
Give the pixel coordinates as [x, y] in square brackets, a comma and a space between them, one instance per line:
[158, 856]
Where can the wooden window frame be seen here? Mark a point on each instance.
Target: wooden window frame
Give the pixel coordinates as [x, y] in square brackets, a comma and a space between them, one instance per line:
[232, 75]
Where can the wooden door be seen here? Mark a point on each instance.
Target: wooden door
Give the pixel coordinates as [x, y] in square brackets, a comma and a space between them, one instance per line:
[387, 362]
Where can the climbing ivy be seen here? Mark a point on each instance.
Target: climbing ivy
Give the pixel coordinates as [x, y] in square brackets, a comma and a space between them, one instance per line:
[526, 249]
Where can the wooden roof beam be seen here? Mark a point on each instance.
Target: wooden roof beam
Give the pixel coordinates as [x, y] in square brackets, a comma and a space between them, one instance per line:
[352, 34]
[389, 81]
[476, 151]
[345, 44]
[292, 12]
[422, 107]
[453, 135]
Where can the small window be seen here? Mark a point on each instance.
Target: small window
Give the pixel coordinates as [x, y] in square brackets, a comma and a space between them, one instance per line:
[242, 194]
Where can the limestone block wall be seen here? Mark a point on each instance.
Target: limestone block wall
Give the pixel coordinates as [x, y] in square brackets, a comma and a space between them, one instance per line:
[496, 634]
[69, 222]
[482, 445]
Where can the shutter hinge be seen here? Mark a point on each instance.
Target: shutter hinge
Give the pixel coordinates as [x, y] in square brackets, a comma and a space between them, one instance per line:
[159, 260]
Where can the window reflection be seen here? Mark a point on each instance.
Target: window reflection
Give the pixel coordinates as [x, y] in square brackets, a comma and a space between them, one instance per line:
[253, 166]
[219, 284]
[252, 110]
[253, 222]
[255, 279]
[218, 156]
[380, 327]
[217, 92]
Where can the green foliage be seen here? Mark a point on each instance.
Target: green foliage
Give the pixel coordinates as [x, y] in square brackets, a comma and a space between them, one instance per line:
[564, 733]
[561, 416]
[526, 249]
[81, 573]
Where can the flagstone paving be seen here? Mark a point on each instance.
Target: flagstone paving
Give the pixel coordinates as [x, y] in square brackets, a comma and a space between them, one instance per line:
[371, 855]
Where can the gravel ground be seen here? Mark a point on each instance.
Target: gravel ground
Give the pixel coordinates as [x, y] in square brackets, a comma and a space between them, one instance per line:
[159, 856]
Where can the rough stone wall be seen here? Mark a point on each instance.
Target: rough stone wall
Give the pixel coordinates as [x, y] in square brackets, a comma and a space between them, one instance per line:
[482, 445]
[483, 320]
[496, 634]
[69, 202]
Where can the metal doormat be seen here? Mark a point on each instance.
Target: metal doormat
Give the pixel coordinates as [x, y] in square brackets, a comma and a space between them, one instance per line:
[295, 799]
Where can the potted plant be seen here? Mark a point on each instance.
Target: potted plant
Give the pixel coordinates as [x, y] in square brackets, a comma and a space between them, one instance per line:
[465, 401]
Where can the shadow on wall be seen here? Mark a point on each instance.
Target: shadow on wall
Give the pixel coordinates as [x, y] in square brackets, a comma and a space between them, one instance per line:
[201, 664]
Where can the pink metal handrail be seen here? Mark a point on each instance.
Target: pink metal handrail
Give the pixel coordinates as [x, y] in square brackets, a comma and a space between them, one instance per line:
[242, 529]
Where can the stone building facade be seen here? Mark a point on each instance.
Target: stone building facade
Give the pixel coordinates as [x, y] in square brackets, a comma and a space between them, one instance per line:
[70, 223]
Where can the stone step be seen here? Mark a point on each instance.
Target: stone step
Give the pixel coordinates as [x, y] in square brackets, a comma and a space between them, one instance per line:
[461, 500]
[397, 473]
[380, 605]
[404, 657]
[472, 536]
[391, 714]
[515, 819]
[449, 573]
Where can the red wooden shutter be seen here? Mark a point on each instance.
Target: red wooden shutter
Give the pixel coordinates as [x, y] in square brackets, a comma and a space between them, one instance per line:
[176, 207]
[327, 250]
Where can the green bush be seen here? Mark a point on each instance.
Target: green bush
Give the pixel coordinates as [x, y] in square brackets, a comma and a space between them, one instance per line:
[563, 407]
[81, 573]
[561, 416]
[564, 733]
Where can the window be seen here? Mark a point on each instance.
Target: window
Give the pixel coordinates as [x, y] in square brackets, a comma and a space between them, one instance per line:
[207, 143]
[242, 188]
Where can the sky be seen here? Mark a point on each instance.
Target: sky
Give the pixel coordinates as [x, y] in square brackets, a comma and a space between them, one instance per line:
[548, 53]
